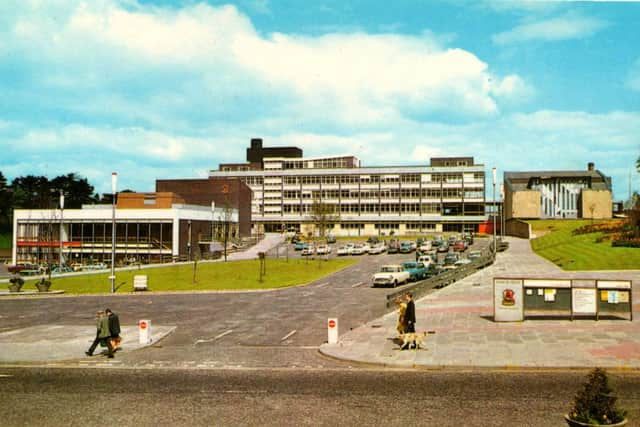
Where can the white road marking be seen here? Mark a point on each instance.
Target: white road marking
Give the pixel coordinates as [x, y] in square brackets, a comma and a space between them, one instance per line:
[217, 337]
[223, 334]
[357, 284]
[322, 285]
[288, 335]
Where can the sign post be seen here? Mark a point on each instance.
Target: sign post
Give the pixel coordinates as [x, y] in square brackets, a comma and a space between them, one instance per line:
[144, 326]
[332, 330]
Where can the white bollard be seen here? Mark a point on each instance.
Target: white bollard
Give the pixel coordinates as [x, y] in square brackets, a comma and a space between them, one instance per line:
[144, 326]
[332, 330]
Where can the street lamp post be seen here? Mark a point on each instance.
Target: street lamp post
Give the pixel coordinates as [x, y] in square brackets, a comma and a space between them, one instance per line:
[60, 236]
[493, 172]
[114, 185]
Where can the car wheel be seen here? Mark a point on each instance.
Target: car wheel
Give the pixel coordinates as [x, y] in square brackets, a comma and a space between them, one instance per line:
[395, 283]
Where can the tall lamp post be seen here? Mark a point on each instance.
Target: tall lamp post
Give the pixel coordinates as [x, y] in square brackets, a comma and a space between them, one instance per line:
[114, 185]
[60, 236]
[493, 172]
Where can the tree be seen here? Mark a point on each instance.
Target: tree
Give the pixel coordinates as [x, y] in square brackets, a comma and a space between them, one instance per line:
[5, 205]
[77, 190]
[323, 216]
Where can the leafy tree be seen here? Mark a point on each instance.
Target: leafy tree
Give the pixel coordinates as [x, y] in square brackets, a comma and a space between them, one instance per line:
[77, 190]
[5, 204]
[323, 216]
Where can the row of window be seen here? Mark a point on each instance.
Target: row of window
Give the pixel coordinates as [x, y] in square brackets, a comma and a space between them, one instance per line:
[414, 178]
[405, 193]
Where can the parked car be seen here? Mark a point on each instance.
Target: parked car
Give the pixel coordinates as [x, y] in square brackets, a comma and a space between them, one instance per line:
[393, 247]
[377, 249]
[425, 246]
[309, 250]
[96, 266]
[21, 266]
[451, 258]
[474, 255]
[427, 259]
[443, 246]
[373, 240]
[299, 246]
[460, 246]
[323, 250]
[345, 249]
[468, 237]
[57, 270]
[417, 270]
[405, 247]
[360, 249]
[391, 275]
[462, 261]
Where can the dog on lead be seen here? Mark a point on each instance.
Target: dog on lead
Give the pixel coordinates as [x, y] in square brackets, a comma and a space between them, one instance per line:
[412, 340]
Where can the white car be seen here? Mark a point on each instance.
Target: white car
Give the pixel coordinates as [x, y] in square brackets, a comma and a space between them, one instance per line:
[462, 261]
[309, 250]
[360, 249]
[345, 249]
[323, 250]
[377, 249]
[426, 246]
[391, 275]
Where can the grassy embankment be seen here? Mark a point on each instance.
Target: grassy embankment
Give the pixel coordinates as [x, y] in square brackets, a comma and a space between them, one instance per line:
[580, 252]
[232, 275]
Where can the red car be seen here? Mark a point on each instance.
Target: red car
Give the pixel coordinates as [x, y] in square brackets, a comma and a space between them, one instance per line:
[460, 246]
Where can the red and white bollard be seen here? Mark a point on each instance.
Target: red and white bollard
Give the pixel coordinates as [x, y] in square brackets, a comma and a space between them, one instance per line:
[332, 330]
[144, 326]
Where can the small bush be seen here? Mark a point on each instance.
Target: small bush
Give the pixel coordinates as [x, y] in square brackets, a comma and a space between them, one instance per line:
[595, 404]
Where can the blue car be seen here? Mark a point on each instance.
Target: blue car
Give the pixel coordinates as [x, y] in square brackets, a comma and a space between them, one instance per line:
[300, 246]
[417, 270]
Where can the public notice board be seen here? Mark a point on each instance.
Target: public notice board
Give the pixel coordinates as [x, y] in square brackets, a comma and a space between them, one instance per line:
[507, 300]
[584, 300]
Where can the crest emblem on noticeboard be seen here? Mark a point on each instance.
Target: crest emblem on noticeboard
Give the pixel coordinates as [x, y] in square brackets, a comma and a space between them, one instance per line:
[508, 297]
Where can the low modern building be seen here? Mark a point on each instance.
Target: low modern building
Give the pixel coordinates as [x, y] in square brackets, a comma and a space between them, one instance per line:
[149, 228]
[557, 194]
[446, 195]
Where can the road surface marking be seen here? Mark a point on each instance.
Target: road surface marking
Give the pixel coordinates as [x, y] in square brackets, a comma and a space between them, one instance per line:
[322, 285]
[223, 334]
[288, 335]
[357, 284]
[214, 338]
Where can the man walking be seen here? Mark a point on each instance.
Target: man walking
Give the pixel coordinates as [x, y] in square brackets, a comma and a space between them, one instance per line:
[409, 319]
[102, 334]
[114, 329]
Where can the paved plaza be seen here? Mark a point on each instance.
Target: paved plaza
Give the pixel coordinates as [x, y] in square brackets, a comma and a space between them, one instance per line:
[465, 335]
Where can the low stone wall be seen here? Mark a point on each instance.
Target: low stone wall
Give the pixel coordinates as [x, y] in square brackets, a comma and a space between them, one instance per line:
[517, 228]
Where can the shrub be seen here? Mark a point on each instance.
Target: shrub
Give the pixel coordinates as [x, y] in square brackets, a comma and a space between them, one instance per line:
[595, 404]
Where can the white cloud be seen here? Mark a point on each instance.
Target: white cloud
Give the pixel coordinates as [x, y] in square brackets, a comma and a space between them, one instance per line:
[553, 29]
[198, 54]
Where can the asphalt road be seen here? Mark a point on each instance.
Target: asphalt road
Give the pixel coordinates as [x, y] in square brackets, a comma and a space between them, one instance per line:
[280, 328]
[283, 397]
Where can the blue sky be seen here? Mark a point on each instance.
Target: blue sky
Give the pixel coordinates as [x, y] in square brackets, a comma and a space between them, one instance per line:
[170, 89]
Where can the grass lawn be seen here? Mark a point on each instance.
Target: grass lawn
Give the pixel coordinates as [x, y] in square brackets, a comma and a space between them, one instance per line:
[579, 252]
[232, 275]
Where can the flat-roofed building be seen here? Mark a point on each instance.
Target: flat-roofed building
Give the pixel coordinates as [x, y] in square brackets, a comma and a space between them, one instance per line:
[446, 195]
[150, 228]
[558, 194]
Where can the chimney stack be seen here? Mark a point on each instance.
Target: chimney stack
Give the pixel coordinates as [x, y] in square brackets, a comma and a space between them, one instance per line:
[591, 166]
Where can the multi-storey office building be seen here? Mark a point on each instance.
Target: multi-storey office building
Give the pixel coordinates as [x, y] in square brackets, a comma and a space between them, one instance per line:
[447, 195]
